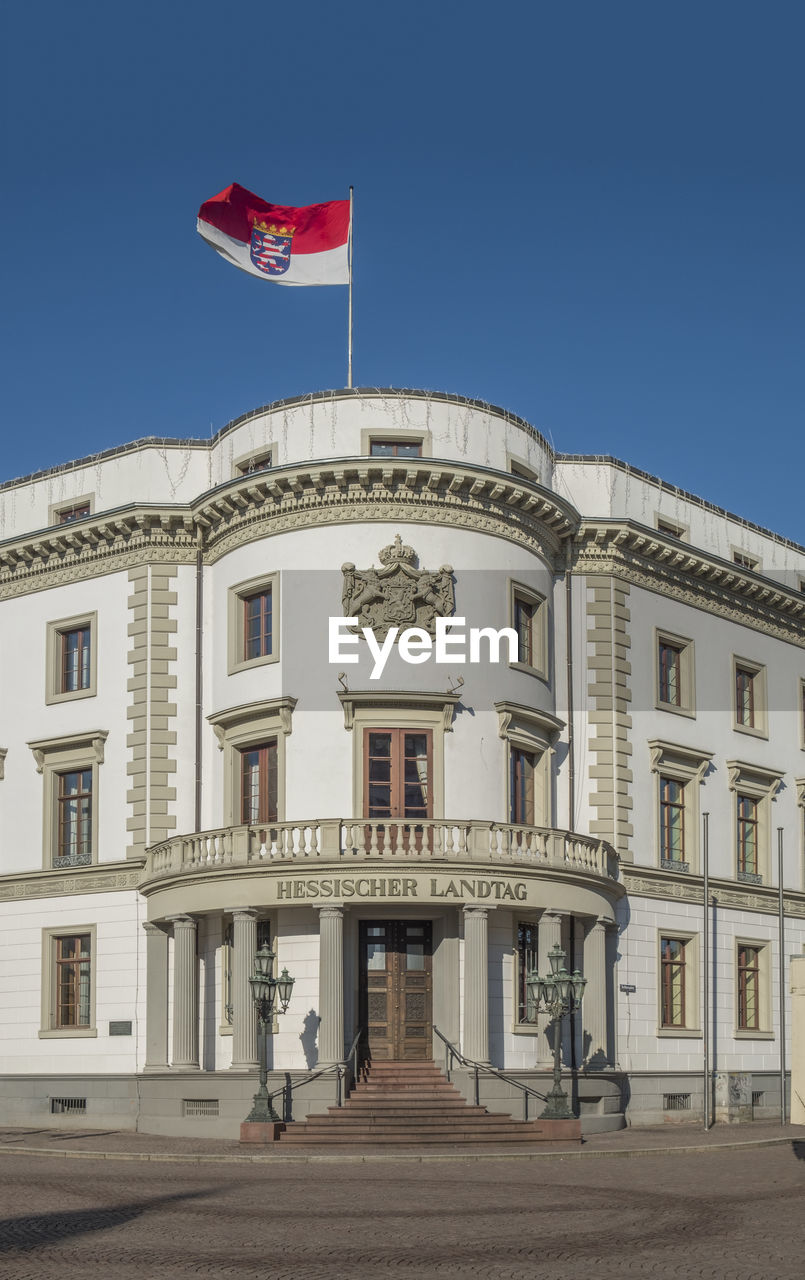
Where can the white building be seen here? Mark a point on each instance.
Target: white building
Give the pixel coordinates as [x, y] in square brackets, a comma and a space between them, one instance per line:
[184, 771]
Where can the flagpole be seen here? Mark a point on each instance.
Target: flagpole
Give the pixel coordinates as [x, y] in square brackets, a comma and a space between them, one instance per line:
[349, 343]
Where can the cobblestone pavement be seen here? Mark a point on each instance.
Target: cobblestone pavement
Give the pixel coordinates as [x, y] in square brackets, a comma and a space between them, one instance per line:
[734, 1214]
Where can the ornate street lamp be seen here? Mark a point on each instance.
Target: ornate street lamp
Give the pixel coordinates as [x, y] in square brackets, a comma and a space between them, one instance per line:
[558, 993]
[265, 989]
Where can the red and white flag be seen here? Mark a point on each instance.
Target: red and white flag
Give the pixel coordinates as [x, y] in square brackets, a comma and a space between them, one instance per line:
[277, 242]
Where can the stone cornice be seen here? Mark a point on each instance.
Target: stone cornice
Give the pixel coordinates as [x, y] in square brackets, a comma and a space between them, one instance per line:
[659, 563]
[103, 877]
[392, 698]
[286, 498]
[650, 882]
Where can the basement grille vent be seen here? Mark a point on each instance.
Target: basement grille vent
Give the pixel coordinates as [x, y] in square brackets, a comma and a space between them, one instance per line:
[200, 1108]
[676, 1102]
[757, 1097]
[68, 1106]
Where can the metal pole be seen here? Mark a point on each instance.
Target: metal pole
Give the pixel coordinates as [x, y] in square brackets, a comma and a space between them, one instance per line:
[349, 251]
[706, 957]
[781, 948]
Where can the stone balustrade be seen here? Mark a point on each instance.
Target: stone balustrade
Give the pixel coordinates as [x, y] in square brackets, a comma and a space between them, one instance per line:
[350, 841]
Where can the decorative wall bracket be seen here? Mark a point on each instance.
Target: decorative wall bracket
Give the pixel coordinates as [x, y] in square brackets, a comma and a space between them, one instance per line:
[46, 748]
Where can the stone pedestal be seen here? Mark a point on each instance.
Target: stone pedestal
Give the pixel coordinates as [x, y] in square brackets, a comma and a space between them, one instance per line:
[733, 1097]
[257, 1133]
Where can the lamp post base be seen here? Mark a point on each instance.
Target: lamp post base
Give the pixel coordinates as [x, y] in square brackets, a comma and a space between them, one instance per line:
[263, 1111]
[257, 1131]
[556, 1106]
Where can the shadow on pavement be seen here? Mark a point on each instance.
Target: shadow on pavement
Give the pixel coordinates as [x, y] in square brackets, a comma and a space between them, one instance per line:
[36, 1231]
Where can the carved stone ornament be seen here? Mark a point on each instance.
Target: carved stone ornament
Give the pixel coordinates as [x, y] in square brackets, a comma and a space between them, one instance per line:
[398, 594]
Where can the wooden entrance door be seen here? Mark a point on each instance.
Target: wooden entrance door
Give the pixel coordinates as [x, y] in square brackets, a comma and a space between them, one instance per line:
[396, 988]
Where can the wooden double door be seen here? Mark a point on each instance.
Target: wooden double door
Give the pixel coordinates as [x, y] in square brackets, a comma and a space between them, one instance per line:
[396, 988]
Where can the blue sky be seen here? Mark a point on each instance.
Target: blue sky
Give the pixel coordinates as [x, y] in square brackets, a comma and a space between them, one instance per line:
[591, 214]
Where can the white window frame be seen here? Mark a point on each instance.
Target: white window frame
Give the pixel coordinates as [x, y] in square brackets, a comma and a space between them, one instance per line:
[761, 784]
[235, 642]
[53, 658]
[764, 1031]
[48, 1029]
[56, 509]
[687, 663]
[539, 666]
[692, 1029]
[55, 756]
[686, 765]
[760, 729]
[240, 466]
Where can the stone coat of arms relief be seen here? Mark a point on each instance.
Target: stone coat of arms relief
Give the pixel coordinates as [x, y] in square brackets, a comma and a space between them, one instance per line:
[398, 594]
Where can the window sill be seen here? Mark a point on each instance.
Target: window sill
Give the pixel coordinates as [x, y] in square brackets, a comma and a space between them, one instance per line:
[529, 670]
[73, 696]
[752, 732]
[225, 1029]
[525, 1029]
[677, 711]
[247, 664]
[684, 1033]
[69, 1033]
[669, 864]
[741, 1033]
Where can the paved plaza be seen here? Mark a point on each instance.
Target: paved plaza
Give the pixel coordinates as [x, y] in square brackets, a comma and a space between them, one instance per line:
[731, 1212]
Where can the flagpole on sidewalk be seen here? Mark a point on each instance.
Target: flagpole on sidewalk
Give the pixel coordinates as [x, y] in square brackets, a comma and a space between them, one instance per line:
[349, 343]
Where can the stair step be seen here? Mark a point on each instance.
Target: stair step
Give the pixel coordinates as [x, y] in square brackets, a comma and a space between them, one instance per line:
[418, 1120]
[420, 1138]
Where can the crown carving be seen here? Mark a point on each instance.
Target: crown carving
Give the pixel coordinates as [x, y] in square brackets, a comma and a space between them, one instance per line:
[397, 553]
[273, 229]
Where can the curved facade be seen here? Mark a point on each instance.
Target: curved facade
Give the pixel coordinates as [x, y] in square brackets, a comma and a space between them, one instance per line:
[203, 749]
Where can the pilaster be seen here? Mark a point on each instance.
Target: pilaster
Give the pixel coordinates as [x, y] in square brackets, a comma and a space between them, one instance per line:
[185, 994]
[476, 983]
[244, 1019]
[331, 984]
[156, 997]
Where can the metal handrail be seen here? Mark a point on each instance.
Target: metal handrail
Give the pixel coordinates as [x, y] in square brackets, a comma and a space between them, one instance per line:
[340, 1069]
[451, 1052]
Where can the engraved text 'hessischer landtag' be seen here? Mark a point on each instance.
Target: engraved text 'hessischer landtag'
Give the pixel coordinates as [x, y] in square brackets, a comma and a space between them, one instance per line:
[458, 888]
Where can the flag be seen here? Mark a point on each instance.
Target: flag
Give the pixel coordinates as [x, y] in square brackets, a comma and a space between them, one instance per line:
[277, 242]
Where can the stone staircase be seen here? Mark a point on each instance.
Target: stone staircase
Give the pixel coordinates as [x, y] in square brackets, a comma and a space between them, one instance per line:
[412, 1103]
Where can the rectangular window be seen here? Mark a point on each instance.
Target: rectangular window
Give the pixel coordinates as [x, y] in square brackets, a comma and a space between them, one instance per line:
[672, 822]
[744, 560]
[76, 655]
[672, 982]
[670, 658]
[670, 529]
[253, 623]
[525, 613]
[395, 448]
[72, 981]
[257, 625]
[521, 787]
[397, 773]
[747, 831]
[67, 514]
[748, 988]
[527, 962]
[74, 802]
[257, 462]
[745, 697]
[258, 784]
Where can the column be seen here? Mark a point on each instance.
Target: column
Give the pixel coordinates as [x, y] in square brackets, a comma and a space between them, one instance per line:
[476, 983]
[331, 984]
[156, 998]
[594, 1006]
[549, 934]
[244, 1018]
[185, 994]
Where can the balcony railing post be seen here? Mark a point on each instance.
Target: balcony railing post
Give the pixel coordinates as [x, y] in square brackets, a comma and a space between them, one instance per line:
[240, 845]
[328, 837]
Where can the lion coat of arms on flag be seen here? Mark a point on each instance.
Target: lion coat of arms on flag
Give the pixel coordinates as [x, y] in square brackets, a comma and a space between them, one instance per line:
[270, 249]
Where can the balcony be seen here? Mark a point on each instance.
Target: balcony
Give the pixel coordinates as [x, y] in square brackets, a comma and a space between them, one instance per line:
[352, 843]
